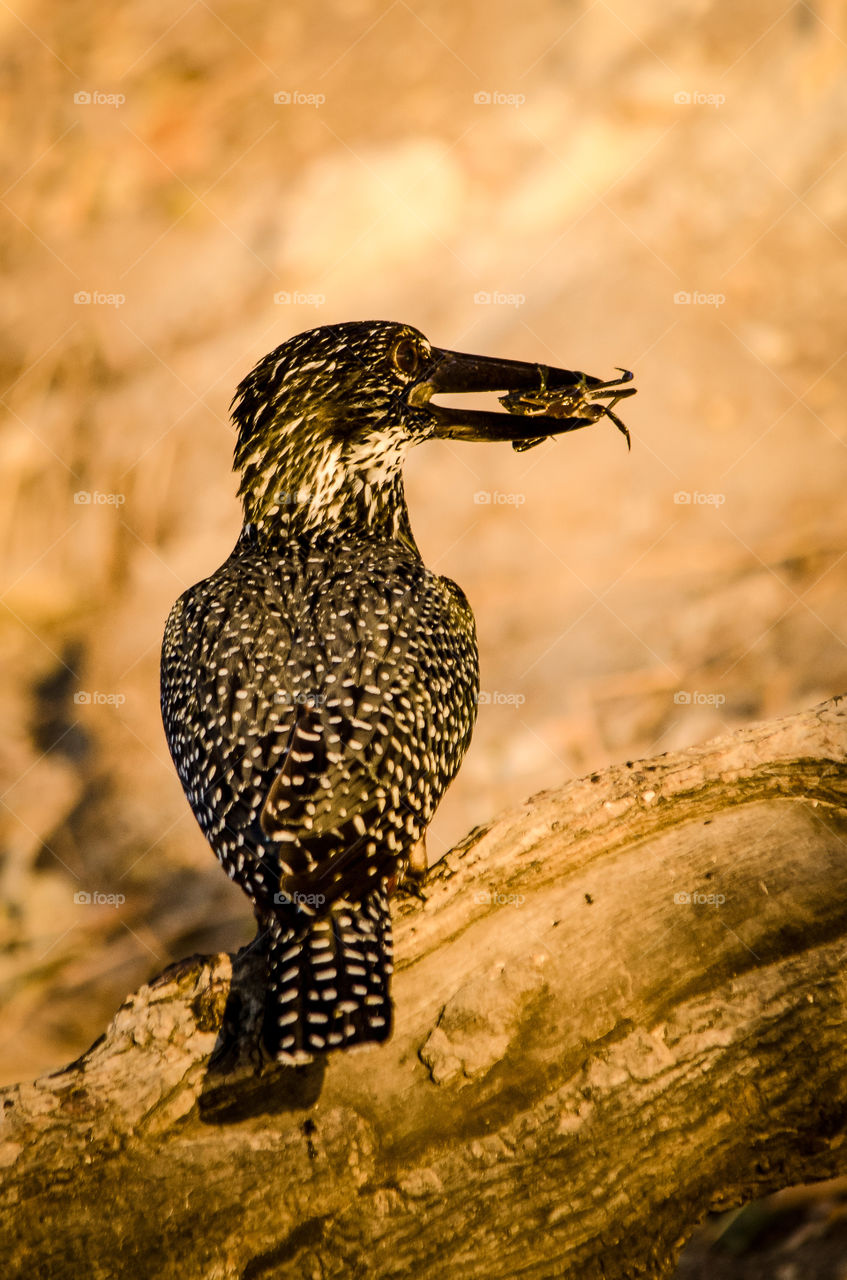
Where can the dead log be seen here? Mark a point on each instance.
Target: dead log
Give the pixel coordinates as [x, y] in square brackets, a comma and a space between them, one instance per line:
[620, 1005]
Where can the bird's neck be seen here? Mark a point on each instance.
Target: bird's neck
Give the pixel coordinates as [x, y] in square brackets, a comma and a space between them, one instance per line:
[321, 507]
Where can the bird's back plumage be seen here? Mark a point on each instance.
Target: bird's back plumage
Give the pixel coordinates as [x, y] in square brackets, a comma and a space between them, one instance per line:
[318, 701]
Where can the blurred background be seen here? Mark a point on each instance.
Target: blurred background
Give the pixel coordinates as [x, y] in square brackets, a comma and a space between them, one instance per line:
[586, 183]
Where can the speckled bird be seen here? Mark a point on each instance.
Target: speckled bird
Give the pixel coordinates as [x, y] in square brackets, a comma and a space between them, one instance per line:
[319, 690]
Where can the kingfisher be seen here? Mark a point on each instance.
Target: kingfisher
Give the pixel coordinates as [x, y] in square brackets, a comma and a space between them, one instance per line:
[319, 690]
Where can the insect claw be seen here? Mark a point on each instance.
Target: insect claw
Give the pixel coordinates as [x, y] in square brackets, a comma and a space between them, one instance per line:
[621, 426]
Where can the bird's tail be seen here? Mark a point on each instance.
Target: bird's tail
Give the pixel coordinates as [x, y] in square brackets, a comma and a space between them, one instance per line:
[328, 979]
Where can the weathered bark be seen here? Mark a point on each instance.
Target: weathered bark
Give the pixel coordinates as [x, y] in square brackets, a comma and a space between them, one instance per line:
[582, 1063]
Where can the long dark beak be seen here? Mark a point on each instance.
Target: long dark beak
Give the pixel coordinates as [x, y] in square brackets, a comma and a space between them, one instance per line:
[540, 401]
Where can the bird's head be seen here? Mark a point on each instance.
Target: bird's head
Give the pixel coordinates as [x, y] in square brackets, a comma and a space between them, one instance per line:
[325, 421]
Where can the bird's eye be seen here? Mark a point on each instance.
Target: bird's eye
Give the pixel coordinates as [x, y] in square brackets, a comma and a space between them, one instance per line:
[406, 357]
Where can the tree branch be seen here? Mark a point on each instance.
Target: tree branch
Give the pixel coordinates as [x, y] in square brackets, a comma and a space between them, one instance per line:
[620, 1005]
